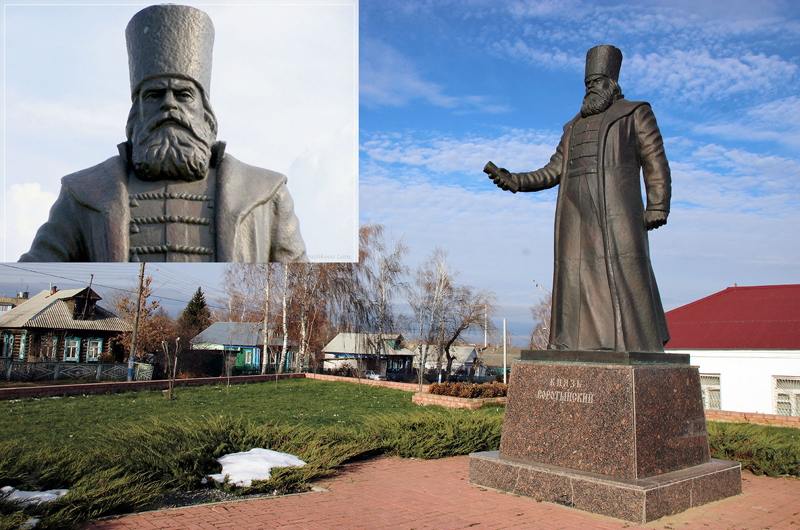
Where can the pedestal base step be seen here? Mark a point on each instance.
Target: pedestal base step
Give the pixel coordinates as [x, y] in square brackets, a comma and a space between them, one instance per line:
[639, 501]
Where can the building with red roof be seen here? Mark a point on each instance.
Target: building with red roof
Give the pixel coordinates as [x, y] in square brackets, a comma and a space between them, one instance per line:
[746, 342]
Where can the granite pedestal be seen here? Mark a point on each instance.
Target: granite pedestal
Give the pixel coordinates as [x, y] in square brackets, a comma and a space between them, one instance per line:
[624, 436]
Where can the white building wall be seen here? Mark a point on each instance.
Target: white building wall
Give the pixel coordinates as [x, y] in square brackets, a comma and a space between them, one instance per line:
[746, 376]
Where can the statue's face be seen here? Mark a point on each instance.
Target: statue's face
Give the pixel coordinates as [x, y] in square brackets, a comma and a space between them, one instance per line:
[160, 96]
[171, 130]
[599, 95]
[597, 84]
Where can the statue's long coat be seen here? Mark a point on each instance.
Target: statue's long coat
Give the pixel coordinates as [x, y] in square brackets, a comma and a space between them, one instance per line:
[629, 139]
[90, 221]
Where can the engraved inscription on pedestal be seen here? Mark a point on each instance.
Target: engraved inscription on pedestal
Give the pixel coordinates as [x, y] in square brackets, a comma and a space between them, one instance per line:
[594, 433]
[625, 421]
[570, 391]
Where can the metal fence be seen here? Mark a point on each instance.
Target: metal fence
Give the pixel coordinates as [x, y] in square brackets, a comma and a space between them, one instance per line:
[44, 371]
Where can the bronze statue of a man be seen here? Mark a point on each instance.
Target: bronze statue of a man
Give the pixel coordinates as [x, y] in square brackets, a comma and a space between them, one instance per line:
[172, 194]
[604, 292]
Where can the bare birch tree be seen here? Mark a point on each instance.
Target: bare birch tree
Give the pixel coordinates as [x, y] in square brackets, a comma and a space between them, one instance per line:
[445, 310]
[308, 306]
[284, 297]
[463, 311]
[426, 300]
[250, 293]
[540, 334]
[363, 293]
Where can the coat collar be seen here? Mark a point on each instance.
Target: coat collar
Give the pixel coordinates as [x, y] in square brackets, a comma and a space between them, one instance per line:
[618, 110]
[104, 188]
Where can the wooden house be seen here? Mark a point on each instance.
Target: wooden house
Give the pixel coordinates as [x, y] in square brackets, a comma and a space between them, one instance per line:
[245, 340]
[358, 351]
[465, 358]
[59, 326]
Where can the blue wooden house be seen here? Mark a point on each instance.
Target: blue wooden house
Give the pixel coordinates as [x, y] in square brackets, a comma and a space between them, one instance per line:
[245, 340]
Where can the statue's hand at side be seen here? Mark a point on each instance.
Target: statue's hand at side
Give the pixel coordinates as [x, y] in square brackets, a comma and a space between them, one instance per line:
[654, 218]
[501, 177]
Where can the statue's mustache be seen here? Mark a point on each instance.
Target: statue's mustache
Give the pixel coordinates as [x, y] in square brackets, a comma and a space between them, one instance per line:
[596, 92]
[170, 118]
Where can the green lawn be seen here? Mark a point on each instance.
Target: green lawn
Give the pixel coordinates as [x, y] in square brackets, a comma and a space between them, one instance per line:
[75, 421]
[118, 453]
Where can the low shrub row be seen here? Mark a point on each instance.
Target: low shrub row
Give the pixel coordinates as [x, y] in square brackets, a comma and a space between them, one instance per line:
[469, 390]
[132, 468]
[771, 451]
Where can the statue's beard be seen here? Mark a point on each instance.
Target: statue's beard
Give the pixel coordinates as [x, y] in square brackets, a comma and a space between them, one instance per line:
[171, 147]
[596, 101]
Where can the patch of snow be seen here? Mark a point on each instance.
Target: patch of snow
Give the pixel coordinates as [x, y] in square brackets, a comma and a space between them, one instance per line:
[30, 523]
[32, 497]
[255, 464]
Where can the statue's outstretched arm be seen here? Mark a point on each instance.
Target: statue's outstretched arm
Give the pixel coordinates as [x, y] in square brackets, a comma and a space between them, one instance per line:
[541, 179]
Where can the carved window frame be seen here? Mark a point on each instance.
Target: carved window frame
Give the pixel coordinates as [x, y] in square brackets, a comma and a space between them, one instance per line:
[49, 347]
[72, 349]
[8, 344]
[93, 354]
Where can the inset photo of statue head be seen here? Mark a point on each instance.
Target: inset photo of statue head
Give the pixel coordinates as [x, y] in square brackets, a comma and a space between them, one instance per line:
[174, 133]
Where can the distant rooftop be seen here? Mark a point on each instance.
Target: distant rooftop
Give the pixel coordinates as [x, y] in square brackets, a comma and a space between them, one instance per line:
[765, 317]
[50, 310]
[235, 334]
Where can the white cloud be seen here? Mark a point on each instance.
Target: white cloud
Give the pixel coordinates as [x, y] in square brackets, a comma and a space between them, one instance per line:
[39, 118]
[26, 208]
[717, 178]
[389, 78]
[698, 75]
[765, 122]
[683, 53]
[520, 150]
[550, 57]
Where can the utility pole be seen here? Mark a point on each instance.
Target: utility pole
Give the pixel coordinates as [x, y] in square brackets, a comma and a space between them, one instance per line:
[135, 324]
[486, 324]
[505, 358]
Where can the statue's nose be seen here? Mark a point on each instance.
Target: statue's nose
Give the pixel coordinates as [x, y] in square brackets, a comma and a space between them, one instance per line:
[169, 102]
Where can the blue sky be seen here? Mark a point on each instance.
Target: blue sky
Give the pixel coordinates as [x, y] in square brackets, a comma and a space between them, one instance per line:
[447, 85]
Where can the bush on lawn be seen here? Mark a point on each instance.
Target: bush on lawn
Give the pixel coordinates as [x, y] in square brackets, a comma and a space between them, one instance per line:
[771, 451]
[469, 390]
[130, 468]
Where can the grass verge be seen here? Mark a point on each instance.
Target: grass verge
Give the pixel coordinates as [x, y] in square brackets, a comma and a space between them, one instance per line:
[130, 466]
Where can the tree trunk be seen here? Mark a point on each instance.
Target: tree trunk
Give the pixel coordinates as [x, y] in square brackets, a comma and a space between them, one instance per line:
[265, 353]
[449, 363]
[285, 318]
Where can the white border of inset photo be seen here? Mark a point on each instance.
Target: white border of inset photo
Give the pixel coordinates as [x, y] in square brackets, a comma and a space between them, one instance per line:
[284, 88]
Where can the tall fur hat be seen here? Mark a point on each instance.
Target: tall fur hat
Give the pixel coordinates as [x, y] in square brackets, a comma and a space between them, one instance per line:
[604, 60]
[170, 40]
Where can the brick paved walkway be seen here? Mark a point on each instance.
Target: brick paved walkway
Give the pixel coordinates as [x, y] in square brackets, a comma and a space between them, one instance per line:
[394, 493]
